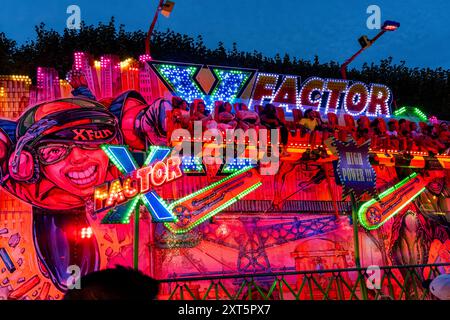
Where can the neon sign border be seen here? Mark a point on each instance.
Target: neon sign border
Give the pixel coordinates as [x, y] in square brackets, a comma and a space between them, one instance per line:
[363, 209]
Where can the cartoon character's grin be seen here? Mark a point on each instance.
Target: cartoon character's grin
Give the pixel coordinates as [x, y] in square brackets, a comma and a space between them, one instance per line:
[83, 177]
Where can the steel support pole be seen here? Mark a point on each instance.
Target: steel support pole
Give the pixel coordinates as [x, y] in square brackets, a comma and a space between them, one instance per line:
[136, 239]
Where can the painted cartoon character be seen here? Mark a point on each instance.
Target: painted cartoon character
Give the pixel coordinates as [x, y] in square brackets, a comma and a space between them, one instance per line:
[51, 158]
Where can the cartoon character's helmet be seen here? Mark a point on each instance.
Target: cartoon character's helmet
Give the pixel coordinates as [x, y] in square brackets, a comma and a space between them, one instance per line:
[72, 121]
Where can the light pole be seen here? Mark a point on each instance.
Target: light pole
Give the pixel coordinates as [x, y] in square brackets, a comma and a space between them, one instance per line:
[365, 43]
[167, 8]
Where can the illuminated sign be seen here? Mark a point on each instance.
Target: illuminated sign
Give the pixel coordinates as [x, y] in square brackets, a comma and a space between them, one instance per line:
[203, 204]
[327, 95]
[288, 91]
[124, 194]
[373, 214]
[121, 196]
[184, 80]
[353, 169]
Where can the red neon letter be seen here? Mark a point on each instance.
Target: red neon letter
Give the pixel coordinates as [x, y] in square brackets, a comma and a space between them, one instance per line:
[335, 87]
[159, 173]
[380, 98]
[356, 99]
[308, 87]
[144, 176]
[115, 193]
[173, 168]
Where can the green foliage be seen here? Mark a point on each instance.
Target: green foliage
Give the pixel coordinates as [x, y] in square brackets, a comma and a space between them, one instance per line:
[7, 48]
[424, 87]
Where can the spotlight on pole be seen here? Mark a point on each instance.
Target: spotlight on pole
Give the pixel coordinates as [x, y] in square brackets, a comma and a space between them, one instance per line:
[389, 25]
[365, 42]
[167, 8]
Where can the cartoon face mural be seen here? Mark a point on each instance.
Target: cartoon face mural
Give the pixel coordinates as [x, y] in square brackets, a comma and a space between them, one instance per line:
[76, 168]
[51, 158]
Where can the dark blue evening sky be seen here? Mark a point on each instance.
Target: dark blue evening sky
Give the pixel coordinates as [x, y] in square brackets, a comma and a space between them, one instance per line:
[328, 28]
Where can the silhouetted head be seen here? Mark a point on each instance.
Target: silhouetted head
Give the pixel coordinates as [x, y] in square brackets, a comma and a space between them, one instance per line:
[201, 107]
[176, 102]
[269, 109]
[391, 125]
[219, 105]
[184, 105]
[309, 114]
[115, 284]
[228, 107]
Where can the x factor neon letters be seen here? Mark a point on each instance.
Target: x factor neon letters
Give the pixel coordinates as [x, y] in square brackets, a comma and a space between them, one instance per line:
[327, 95]
[183, 80]
[288, 91]
[121, 196]
[137, 185]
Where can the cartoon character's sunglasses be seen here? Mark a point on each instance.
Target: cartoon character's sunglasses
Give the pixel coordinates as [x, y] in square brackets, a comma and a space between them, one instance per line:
[55, 152]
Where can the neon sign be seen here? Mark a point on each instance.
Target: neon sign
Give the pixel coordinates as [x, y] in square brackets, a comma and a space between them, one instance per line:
[183, 81]
[124, 194]
[353, 169]
[121, 196]
[328, 95]
[203, 204]
[288, 91]
[373, 214]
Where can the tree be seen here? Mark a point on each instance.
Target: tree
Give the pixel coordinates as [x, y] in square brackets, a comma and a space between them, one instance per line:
[7, 48]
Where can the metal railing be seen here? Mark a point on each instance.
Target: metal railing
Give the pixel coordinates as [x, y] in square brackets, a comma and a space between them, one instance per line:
[394, 283]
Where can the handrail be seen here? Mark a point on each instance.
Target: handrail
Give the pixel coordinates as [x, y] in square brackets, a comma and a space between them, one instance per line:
[291, 273]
